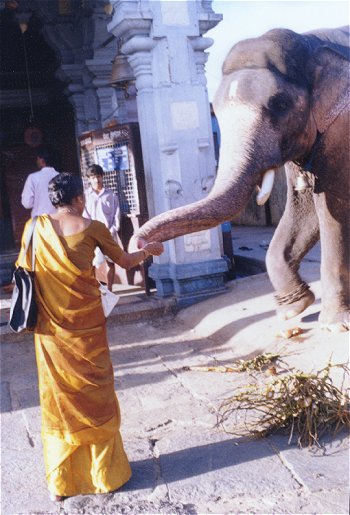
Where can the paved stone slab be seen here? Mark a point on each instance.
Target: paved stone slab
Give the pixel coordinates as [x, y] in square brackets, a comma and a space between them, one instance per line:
[318, 469]
[13, 432]
[175, 417]
[144, 410]
[251, 244]
[25, 398]
[23, 485]
[211, 465]
[5, 396]
[18, 363]
[286, 503]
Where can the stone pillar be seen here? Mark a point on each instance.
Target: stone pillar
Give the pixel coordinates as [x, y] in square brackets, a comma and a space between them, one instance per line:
[104, 48]
[82, 95]
[86, 50]
[165, 48]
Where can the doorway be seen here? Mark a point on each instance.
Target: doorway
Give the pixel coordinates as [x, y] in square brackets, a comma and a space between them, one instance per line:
[31, 97]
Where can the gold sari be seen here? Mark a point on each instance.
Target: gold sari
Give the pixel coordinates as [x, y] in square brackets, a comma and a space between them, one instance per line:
[83, 450]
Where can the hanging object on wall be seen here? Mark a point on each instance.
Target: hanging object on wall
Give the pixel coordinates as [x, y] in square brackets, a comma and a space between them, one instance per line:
[11, 4]
[108, 9]
[122, 75]
[32, 135]
[23, 26]
[64, 7]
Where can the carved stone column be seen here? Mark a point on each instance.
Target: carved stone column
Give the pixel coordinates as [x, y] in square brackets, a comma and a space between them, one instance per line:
[78, 33]
[165, 48]
[104, 49]
[82, 96]
[68, 32]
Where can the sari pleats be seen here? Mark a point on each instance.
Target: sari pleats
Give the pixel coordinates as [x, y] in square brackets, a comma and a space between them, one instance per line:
[83, 449]
[85, 469]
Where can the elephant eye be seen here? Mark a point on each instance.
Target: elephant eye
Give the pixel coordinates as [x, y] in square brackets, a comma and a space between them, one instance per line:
[280, 103]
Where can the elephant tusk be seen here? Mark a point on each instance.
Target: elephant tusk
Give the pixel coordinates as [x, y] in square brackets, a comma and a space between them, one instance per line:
[266, 187]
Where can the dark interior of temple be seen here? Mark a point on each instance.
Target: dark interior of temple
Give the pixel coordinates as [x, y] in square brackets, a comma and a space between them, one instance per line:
[34, 109]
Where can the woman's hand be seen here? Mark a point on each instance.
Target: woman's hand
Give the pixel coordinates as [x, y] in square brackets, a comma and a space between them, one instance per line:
[153, 248]
[138, 251]
[136, 244]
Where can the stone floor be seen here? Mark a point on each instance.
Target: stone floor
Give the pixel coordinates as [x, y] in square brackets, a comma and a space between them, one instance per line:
[182, 462]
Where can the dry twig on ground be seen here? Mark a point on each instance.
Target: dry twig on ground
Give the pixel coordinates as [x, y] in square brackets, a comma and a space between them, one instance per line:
[307, 405]
[258, 363]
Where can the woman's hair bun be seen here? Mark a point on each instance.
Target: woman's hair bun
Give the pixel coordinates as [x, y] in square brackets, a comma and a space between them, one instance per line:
[64, 187]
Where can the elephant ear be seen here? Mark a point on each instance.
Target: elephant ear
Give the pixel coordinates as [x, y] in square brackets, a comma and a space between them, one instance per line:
[331, 86]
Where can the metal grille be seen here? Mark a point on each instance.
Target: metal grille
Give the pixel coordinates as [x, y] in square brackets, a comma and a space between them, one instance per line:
[120, 177]
[87, 159]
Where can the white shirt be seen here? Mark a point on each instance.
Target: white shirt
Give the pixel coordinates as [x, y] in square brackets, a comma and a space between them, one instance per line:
[35, 194]
[104, 207]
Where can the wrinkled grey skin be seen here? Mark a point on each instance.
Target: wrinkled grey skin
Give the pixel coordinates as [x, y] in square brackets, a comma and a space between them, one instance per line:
[277, 92]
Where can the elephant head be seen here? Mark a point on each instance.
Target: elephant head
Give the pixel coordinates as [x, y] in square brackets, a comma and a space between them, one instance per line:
[276, 94]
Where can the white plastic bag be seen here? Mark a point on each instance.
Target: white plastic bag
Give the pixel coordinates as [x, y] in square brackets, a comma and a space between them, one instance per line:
[108, 298]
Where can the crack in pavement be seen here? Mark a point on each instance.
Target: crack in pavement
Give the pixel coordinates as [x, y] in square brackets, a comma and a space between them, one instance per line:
[28, 433]
[289, 467]
[161, 490]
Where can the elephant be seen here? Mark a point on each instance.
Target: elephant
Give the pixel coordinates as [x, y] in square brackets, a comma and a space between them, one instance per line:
[283, 101]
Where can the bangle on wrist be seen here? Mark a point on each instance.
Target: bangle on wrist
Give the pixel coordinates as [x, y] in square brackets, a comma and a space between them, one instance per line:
[145, 254]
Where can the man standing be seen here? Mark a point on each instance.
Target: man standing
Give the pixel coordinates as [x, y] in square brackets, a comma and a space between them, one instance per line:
[102, 205]
[35, 194]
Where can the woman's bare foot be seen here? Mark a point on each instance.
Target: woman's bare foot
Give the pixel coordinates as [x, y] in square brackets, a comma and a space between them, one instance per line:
[56, 498]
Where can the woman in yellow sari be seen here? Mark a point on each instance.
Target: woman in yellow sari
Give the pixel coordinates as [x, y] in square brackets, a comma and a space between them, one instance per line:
[83, 449]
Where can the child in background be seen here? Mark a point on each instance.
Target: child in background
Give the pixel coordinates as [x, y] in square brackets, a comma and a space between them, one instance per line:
[102, 205]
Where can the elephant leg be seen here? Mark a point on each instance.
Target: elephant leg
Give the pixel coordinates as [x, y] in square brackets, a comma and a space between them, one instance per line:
[333, 214]
[296, 234]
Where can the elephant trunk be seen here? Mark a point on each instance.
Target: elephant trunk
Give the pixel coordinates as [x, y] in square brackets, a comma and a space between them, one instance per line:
[221, 205]
[237, 176]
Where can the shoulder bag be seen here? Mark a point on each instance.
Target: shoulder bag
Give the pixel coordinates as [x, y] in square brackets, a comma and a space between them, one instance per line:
[24, 311]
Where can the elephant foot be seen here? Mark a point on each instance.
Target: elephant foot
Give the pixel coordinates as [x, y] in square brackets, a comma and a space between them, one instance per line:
[335, 322]
[293, 309]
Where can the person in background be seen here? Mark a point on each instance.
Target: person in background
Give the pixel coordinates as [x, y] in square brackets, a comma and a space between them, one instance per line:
[102, 205]
[35, 194]
[82, 445]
